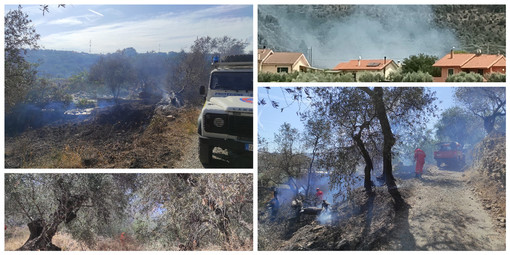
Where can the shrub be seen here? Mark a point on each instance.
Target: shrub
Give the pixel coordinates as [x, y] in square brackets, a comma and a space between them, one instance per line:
[417, 77]
[496, 77]
[395, 76]
[305, 77]
[465, 77]
[370, 77]
[84, 103]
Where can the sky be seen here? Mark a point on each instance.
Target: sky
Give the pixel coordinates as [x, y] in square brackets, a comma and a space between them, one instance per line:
[160, 28]
[270, 119]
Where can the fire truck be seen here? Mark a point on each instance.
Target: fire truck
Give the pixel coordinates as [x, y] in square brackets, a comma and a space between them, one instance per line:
[450, 154]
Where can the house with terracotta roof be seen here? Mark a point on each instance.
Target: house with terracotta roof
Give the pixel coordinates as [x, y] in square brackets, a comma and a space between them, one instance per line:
[484, 64]
[382, 66]
[282, 62]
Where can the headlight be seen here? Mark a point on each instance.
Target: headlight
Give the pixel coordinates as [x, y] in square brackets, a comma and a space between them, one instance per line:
[216, 123]
[219, 122]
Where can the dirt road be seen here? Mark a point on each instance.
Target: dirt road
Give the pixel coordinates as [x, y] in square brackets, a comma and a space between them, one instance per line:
[221, 158]
[444, 214]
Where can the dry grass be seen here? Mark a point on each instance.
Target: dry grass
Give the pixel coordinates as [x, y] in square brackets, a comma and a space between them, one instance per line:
[15, 237]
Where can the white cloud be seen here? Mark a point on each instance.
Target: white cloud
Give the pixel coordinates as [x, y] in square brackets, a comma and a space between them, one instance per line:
[66, 21]
[170, 33]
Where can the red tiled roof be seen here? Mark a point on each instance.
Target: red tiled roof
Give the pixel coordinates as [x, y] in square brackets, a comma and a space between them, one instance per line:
[501, 62]
[482, 61]
[364, 64]
[459, 59]
[283, 58]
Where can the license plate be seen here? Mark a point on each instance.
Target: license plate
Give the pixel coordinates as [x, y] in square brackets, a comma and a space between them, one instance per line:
[248, 146]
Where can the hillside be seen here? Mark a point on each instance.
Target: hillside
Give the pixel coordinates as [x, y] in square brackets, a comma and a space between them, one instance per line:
[64, 64]
[334, 33]
[60, 64]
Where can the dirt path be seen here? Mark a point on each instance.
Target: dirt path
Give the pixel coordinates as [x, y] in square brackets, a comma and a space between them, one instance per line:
[221, 158]
[190, 158]
[444, 215]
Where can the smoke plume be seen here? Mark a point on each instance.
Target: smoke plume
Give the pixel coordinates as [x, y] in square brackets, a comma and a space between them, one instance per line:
[343, 32]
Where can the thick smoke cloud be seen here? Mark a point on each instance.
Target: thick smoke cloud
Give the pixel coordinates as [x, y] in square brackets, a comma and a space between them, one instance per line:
[372, 32]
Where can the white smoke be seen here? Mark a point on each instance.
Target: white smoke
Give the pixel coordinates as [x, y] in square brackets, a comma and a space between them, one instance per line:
[372, 32]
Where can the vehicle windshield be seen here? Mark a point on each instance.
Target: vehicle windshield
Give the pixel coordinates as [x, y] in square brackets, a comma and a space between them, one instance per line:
[445, 147]
[232, 81]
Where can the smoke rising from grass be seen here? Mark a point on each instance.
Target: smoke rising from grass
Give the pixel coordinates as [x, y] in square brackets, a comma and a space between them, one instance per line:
[342, 33]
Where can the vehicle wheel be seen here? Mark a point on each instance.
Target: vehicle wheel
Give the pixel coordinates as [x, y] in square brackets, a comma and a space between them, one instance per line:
[462, 161]
[204, 153]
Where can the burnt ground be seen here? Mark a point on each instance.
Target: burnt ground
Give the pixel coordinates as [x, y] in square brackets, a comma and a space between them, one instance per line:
[446, 211]
[128, 135]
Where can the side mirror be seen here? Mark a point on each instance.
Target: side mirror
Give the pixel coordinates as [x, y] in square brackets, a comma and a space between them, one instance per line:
[202, 90]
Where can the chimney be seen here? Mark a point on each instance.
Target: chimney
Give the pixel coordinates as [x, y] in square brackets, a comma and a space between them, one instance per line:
[451, 53]
[384, 60]
[359, 61]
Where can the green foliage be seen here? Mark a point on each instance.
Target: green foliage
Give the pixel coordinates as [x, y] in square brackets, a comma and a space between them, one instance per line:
[417, 137]
[85, 103]
[205, 209]
[191, 70]
[305, 77]
[496, 77]
[417, 77]
[276, 77]
[421, 63]
[488, 103]
[465, 77]
[19, 74]
[396, 76]
[160, 210]
[47, 91]
[475, 25]
[60, 64]
[457, 124]
[370, 77]
[115, 71]
[38, 196]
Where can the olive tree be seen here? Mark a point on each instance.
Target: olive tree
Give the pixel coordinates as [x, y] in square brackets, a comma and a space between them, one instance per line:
[488, 103]
[115, 71]
[46, 201]
[191, 69]
[20, 35]
[194, 211]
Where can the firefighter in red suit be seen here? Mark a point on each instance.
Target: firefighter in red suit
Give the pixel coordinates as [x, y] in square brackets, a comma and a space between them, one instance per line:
[318, 196]
[419, 157]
